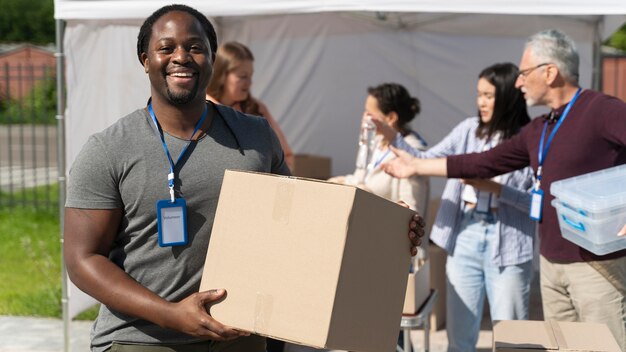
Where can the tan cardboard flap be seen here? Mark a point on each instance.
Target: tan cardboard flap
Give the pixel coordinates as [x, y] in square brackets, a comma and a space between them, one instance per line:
[511, 335]
[518, 335]
[590, 337]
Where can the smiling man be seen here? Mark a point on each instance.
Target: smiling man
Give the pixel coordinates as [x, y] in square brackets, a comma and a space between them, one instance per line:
[171, 153]
[142, 196]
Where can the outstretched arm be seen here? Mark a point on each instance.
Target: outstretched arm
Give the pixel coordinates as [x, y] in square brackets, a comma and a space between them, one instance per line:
[406, 165]
[88, 238]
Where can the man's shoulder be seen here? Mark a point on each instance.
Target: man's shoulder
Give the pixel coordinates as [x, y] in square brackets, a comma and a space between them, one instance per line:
[127, 124]
[235, 117]
[595, 97]
[242, 125]
[125, 132]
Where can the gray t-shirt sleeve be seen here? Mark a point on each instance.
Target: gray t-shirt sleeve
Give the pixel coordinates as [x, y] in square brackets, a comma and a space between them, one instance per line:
[279, 165]
[92, 184]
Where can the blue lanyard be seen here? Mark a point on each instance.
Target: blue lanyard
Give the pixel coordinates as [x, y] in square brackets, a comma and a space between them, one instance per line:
[541, 153]
[380, 160]
[171, 175]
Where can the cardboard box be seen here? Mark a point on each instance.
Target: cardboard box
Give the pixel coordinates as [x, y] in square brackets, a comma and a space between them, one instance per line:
[417, 289]
[535, 336]
[312, 166]
[437, 258]
[310, 262]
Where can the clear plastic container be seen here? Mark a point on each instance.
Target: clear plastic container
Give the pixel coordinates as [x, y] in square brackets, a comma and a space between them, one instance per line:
[592, 209]
[367, 143]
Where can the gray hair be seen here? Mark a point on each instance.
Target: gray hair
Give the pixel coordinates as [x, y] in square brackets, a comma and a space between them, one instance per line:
[555, 47]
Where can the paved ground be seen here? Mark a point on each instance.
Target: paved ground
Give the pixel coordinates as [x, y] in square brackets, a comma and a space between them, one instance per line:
[23, 334]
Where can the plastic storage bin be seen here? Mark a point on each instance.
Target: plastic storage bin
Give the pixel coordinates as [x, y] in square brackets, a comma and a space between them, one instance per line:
[592, 209]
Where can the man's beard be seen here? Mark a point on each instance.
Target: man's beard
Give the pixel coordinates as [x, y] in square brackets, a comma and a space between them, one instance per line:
[530, 102]
[183, 97]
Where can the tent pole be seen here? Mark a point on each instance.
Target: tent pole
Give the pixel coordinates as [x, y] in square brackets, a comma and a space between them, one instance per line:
[60, 56]
[596, 73]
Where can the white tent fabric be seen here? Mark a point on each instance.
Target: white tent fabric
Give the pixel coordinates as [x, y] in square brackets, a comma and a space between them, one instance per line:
[315, 60]
[110, 9]
[312, 70]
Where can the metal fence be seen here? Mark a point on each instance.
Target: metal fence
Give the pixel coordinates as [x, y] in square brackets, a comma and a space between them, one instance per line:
[28, 136]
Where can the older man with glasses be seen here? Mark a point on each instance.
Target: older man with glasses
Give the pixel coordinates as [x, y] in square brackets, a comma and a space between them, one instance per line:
[584, 132]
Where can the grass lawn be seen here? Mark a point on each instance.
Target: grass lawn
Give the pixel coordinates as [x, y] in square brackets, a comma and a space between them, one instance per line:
[30, 258]
[30, 255]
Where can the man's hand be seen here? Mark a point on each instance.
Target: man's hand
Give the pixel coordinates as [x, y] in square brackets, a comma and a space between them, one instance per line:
[622, 232]
[416, 230]
[403, 166]
[192, 316]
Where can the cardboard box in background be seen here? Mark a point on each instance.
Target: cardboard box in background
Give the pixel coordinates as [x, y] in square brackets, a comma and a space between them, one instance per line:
[312, 166]
[310, 262]
[417, 289]
[536, 336]
[437, 257]
[431, 214]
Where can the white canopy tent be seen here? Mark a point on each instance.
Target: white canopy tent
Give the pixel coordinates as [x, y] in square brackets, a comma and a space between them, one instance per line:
[315, 60]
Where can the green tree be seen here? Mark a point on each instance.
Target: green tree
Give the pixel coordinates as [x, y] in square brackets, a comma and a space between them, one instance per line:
[39, 106]
[618, 39]
[27, 21]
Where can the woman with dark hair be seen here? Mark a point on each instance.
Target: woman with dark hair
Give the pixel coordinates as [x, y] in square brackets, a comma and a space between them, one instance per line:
[392, 104]
[484, 224]
[230, 85]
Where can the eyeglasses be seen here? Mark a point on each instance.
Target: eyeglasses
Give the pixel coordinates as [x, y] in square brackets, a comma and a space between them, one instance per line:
[526, 72]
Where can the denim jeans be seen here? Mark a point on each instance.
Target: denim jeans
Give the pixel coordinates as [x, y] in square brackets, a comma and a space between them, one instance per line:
[471, 274]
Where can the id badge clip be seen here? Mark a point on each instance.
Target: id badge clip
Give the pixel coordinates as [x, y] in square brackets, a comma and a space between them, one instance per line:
[172, 222]
[536, 204]
[483, 202]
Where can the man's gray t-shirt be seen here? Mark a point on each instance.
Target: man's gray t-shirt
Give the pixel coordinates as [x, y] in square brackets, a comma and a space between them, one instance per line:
[126, 167]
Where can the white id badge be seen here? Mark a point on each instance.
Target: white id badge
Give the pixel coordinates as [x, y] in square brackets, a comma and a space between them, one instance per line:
[483, 202]
[536, 201]
[172, 222]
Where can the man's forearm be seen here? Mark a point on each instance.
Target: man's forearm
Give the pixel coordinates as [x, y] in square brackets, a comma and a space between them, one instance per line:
[431, 167]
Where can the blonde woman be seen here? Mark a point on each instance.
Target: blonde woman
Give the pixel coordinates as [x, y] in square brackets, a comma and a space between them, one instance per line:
[230, 85]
